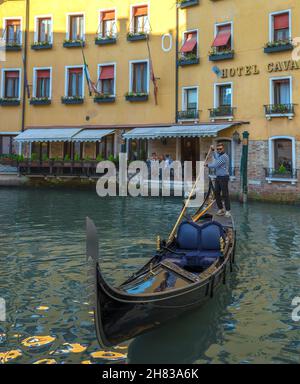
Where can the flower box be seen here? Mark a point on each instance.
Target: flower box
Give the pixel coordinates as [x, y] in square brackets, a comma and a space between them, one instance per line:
[136, 36]
[188, 61]
[37, 101]
[188, 3]
[137, 97]
[74, 44]
[13, 47]
[221, 56]
[39, 46]
[9, 102]
[105, 40]
[72, 100]
[104, 99]
[280, 47]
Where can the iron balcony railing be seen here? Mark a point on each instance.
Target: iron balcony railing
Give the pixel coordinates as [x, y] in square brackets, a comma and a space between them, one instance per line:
[188, 114]
[223, 111]
[281, 109]
[281, 173]
[232, 171]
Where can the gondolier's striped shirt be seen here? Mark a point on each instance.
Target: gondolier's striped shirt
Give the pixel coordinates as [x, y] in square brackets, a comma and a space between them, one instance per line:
[221, 164]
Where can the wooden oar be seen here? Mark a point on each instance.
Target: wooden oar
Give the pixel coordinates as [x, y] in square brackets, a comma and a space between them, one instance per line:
[172, 234]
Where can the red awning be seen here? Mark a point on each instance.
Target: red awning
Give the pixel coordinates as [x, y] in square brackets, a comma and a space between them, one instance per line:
[190, 43]
[11, 74]
[141, 11]
[281, 21]
[43, 73]
[75, 70]
[107, 72]
[223, 36]
[108, 15]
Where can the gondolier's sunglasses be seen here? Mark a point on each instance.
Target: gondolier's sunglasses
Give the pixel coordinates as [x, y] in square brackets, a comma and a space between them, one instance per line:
[219, 148]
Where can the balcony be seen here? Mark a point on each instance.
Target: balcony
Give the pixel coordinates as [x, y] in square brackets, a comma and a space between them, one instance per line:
[69, 100]
[281, 174]
[223, 112]
[73, 43]
[40, 101]
[188, 59]
[279, 46]
[13, 46]
[137, 36]
[190, 114]
[37, 46]
[215, 55]
[104, 99]
[280, 110]
[9, 102]
[132, 97]
[188, 3]
[106, 40]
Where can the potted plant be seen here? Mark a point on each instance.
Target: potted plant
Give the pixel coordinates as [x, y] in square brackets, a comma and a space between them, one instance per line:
[9, 101]
[34, 160]
[106, 39]
[13, 46]
[67, 161]
[188, 59]
[72, 100]
[217, 55]
[57, 161]
[278, 46]
[137, 36]
[136, 96]
[104, 98]
[38, 45]
[45, 161]
[40, 101]
[69, 43]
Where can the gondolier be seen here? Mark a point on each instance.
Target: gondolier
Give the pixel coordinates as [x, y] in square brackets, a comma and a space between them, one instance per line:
[221, 165]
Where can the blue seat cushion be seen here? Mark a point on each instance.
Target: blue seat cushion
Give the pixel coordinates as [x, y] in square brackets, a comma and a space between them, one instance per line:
[188, 236]
[210, 236]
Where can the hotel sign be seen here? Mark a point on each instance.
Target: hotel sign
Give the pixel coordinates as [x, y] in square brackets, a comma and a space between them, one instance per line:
[249, 70]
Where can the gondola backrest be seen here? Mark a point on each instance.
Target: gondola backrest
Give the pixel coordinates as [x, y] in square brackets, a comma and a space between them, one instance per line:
[191, 236]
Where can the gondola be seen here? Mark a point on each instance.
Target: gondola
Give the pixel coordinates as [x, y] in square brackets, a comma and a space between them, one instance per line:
[184, 273]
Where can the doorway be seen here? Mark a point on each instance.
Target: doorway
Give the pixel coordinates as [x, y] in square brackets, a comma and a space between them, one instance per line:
[190, 151]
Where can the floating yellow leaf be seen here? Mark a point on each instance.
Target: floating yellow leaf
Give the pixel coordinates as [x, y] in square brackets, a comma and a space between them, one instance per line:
[108, 355]
[37, 341]
[45, 361]
[10, 355]
[42, 308]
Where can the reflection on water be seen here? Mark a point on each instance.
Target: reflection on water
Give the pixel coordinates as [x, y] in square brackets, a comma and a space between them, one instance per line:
[43, 275]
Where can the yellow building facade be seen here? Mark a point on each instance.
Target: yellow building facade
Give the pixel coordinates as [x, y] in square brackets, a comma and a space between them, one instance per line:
[221, 68]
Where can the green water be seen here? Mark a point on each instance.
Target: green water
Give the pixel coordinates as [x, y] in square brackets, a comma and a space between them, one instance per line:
[42, 263]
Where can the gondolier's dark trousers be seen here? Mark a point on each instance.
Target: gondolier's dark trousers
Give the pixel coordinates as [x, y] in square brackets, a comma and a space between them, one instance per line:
[222, 192]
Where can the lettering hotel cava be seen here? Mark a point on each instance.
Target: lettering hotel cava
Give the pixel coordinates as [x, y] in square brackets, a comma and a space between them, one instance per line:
[249, 70]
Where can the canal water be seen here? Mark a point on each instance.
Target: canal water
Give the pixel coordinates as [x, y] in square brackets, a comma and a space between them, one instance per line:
[43, 281]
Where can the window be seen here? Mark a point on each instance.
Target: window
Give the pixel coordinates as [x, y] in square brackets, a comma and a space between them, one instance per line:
[75, 82]
[44, 30]
[107, 79]
[76, 27]
[139, 77]
[283, 154]
[107, 23]
[11, 89]
[190, 99]
[281, 26]
[281, 91]
[190, 44]
[140, 19]
[13, 32]
[223, 37]
[42, 82]
[224, 95]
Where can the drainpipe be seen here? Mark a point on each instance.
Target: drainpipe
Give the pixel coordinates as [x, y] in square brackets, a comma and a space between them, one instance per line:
[26, 31]
[176, 63]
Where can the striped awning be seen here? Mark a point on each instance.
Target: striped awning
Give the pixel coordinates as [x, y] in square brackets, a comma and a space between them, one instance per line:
[92, 135]
[47, 134]
[209, 130]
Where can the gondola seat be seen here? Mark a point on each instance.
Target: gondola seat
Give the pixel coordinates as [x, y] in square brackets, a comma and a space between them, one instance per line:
[197, 246]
